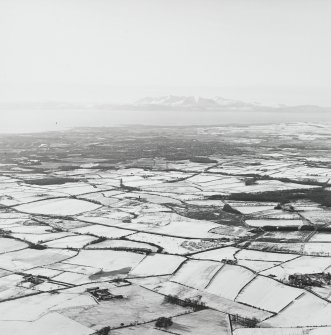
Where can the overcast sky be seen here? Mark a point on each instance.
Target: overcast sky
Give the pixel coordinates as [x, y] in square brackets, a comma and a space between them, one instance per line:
[275, 51]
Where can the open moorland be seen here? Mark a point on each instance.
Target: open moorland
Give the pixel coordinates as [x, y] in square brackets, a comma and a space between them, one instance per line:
[155, 230]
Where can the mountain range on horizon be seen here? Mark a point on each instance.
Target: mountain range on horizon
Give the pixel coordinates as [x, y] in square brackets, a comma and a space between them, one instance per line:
[169, 102]
[193, 102]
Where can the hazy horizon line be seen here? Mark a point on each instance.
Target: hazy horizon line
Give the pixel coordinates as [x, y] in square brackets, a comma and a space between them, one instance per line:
[133, 102]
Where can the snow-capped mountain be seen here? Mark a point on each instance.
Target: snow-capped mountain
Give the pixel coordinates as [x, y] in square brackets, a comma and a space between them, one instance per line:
[190, 102]
[169, 102]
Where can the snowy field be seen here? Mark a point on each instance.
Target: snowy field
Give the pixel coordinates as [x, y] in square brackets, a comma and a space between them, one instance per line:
[113, 230]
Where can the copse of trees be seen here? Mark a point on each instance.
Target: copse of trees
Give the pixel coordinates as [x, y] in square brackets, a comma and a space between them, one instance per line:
[37, 246]
[195, 304]
[103, 331]
[245, 322]
[320, 195]
[163, 322]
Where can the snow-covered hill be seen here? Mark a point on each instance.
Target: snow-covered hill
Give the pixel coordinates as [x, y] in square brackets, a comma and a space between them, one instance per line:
[190, 102]
[169, 102]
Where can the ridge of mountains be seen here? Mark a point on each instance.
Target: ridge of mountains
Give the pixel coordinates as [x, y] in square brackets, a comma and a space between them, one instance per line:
[169, 102]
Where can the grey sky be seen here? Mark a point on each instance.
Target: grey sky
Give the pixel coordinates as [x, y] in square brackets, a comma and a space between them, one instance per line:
[275, 51]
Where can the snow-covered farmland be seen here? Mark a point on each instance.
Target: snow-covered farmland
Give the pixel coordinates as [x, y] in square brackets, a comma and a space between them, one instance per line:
[229, 281]
[268, 294]
[157, 265]
[196, 274]
[108, 260]
[222, 229]
[60, 207]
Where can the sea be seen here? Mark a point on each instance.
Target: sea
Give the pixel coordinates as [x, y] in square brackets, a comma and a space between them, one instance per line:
[31, 121]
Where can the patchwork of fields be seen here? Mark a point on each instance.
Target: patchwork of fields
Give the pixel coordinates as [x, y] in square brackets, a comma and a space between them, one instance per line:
[217, 230]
